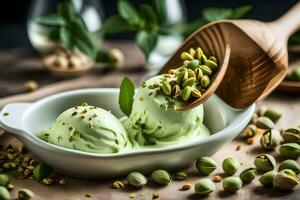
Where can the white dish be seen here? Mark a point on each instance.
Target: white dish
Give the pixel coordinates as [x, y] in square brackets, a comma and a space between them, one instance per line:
[26, 120]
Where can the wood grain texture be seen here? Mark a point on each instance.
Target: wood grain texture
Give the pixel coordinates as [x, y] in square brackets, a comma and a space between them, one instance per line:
[258, 56]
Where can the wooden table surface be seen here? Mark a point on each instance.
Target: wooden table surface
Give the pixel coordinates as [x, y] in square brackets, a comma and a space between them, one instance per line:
[17, 67]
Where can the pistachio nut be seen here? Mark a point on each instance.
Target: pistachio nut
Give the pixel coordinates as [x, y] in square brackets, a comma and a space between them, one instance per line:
[186, 93]
[204, 187]
[4, 179]
[290, 164]
[198, 74]
[196, 93]
[136, 179]
[183, 75]
[191, 73]
[230, 166]
[4, 193]
[161, 177]
[180, 175]
[203, 59]
[247, 175]
[25, 194]
[250, 130]
[166, 88]
[285, 180]
[193, 64]
[290, 150]
[118, 185]
[292, 135]
[211, 64]
[214, 59]
[192, 52]
[232, 184]
[206, 165]
[186, 56]
[270, 139]
[198, 53]
[265, 162]
[264, 123]
[186, 63]
[267, 178]
[272, 114]
[205, 81]
[175, 90]
[189, 82]
[205, 70]
[172, 71]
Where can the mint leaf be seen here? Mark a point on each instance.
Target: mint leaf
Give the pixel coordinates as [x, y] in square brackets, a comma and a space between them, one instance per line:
[295, 38]
[66, 10]
[128, 12]
[52, 20]
[146, 42]
[126, 95]
[116, 24]
[239, 12]
[41, 171]
[212, 14]
[102, 57]
[189, 28]
[160, 8]
[66, 38]
[149, 14]
[90, 52]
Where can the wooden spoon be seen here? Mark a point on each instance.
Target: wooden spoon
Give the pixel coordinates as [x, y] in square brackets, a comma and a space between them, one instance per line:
[252, 55]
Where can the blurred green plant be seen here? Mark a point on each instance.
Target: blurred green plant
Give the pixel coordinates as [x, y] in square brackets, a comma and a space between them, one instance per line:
[148, 22]
[72, 32]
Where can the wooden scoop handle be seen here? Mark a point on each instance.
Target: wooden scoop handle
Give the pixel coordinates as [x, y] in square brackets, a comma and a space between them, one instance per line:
[287, 24]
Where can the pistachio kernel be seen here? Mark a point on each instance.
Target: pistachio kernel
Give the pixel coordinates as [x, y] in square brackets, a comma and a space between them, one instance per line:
[206, 165]
[192, 52]
[270, 139]
[193, 64]
[198, 53]
[232, 184]
[182, 77]
[198, 74]
[186, 93]
[186, 187]
[265, 162]
[211, 64]
[230, 166]
[191, 73]
[166, 88]
[217, 178]
[212, 58]
[186, 56]
[205, 70]
[117, 185]
[189, 82]
[205, 81]
[203, 59]
[196, 93]
[250, 130]
[180, 175]
[137, 179]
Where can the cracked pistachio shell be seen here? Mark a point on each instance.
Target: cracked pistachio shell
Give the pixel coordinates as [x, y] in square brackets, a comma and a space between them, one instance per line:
[211, 64]
[270, 139]
[4, 193]
[264, 123]
[265, 162]
[290, 150]
[137, 179]
[292, 135]
[206, 165]
[205, 81]
[230, 166]
[161, 177]
[247, 175]
[189, 82]
[232, 184]
[267, 179]
[204, 187]
[290, 164]
[272, 114]
[285, 180]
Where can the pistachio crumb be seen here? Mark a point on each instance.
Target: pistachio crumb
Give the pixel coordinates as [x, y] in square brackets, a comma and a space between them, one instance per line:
[88, 195]
[74, 113]
[132, 195]
[141, 98]
[62, 181]
[10, 186]
[5, 114]
[238, 147]
[186, 187]
[217, 178]
[155, 195]
[250, 141]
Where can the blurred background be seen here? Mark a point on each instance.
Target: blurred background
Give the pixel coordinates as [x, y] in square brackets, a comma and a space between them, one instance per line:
[14, 14]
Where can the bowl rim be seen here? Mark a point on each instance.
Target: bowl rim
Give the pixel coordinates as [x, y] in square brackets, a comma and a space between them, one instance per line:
[248, 111]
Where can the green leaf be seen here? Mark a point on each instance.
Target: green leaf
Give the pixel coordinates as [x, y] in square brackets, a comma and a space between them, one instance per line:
[42, 171]
[53, 20]
[80, 44]
[160, 8]
[146, 42]
[66, 38]
[295, 38]
[189, 28]
[126, 95]
[149, 14]
[66, 10]
[116, 24]
[53, 34]
[239, 12]
[212, 14]
[128, 12]
[102, 57]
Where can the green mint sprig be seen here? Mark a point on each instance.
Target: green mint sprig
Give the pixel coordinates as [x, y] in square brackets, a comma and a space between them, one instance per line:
[126, 96]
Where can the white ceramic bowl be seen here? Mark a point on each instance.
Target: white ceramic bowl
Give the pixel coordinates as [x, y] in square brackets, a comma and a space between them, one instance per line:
[26, 120]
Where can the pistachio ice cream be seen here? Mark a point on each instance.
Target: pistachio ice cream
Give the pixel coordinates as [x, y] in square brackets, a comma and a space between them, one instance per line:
[155, 122]
[87, 128]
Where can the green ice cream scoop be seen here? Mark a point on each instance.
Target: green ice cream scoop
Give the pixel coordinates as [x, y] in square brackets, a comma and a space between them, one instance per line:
[155, 121]
[87, 128]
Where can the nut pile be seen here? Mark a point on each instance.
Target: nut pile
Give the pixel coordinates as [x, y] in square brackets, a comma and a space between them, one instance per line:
[193, 78]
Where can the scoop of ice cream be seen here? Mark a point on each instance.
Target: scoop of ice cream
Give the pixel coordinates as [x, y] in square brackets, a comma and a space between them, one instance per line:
[155, 121]
[88, 128]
